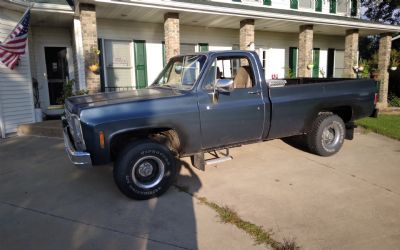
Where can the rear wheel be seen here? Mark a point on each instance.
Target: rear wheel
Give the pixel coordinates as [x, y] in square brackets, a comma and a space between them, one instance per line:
[144, 169]
[327, 135]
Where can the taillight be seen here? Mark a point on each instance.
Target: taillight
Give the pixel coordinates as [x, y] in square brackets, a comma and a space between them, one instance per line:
[376, 99]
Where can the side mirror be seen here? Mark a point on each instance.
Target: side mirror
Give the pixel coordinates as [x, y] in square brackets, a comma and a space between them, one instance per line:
[178, 69]
[224, 85]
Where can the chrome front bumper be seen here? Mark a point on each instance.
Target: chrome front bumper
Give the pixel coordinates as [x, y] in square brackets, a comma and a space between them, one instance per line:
[78, 158]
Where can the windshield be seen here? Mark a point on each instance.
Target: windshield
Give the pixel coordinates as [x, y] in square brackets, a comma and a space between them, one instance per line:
[181, 72]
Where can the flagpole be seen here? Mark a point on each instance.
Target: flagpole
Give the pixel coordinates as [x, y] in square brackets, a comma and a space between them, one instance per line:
[26, 11]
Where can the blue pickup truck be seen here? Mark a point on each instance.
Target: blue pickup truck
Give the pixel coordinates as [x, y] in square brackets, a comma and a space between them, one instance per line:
[208, 102]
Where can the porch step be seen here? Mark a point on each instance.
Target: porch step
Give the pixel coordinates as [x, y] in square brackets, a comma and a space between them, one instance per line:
[52, 128]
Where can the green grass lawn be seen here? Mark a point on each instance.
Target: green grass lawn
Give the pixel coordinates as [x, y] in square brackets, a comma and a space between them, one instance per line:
[388, 125]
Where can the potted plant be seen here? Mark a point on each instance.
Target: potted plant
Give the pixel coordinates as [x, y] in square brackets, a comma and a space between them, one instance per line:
[36, 101]
[394, 59]
[94, 57]
[68, 91]
[364, 68]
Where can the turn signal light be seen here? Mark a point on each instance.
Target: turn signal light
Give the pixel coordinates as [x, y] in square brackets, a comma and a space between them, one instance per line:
[101, 139]
[376, 99]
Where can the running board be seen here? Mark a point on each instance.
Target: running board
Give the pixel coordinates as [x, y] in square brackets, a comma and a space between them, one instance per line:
[199, 162]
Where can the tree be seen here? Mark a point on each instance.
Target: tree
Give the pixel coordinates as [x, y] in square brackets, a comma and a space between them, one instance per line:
[384, 11]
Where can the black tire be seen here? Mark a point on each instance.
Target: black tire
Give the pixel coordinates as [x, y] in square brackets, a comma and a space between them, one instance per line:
[327, 135]
[144, 169]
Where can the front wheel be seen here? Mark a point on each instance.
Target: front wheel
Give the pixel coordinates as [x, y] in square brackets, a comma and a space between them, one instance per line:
[327, 135]
[144, 169]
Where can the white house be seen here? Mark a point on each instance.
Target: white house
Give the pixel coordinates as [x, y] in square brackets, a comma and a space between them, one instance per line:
[136, 37]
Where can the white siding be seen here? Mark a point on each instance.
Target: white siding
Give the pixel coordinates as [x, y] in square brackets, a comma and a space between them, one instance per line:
[16, 99]
[285, 4]
[51, 37]
[276, 44]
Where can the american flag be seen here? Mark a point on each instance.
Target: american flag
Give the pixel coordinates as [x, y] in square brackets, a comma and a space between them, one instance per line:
[14, 45]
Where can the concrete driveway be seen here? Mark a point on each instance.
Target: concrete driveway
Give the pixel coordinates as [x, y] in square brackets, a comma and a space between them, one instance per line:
[347, 201]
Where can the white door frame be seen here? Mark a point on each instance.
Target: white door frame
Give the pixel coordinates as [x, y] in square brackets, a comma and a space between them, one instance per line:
[44, 66]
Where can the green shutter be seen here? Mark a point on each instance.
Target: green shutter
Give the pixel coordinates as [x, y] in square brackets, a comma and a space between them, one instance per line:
[203, 47]
[315, 70]
[267, 2]
[332, 6]
[293, 61]
[140, 64]
[318, 5]
[353, 8]
[101, 63]
[294, 4]
[163, 53]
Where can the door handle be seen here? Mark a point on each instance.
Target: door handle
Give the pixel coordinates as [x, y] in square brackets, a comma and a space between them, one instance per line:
[257, 92]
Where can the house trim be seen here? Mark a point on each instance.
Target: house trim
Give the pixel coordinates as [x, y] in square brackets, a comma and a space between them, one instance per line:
[256, 12]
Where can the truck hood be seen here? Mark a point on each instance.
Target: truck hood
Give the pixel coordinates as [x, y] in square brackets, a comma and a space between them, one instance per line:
[77, 103]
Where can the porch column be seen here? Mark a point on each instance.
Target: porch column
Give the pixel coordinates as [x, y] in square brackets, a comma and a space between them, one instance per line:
[306, 40]
[350, 53]
[171, 35]
[385, 46]
[247, 34]
[87, 17]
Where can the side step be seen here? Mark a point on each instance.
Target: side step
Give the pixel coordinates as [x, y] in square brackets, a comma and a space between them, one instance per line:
[199, 162]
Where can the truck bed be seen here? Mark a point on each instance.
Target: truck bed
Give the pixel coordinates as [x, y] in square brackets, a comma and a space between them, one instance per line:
[295, 105]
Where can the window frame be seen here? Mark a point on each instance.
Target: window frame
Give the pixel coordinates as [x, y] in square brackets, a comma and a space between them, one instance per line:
[233, 56]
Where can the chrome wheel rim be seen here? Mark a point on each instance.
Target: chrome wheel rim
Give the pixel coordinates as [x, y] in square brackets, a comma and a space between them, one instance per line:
[331, 135]
[148, 172]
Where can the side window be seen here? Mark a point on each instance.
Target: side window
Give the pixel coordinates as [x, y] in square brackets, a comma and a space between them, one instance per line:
[237, 69]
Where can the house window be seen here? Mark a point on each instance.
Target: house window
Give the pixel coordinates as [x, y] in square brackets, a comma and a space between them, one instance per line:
[118, 65]
[187, 48]
[267, 2]
[341, 6]
[306, 4]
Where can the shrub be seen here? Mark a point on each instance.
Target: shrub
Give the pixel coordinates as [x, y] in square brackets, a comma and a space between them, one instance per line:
[393, 100]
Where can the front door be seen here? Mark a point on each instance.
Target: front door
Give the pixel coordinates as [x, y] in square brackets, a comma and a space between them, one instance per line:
[57, 72]
[236, 116]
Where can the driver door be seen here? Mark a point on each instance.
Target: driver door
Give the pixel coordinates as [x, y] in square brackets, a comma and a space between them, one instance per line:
[236, 115]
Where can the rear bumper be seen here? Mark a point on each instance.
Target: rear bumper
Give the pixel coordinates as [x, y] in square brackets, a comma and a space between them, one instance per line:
[78, 158]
